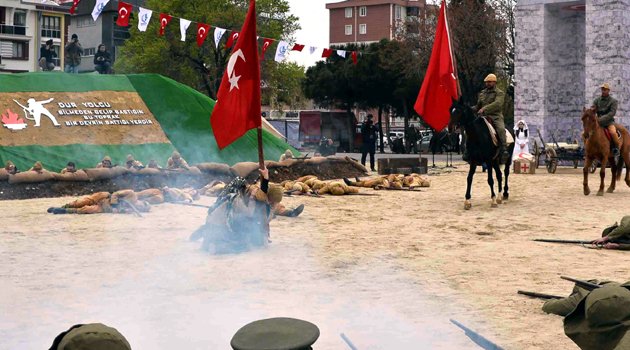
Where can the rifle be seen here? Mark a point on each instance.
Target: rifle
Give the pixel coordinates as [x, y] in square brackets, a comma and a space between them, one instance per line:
[347, 340]
[192, 205]
[133, 207]
[582, 284]
[363, 194]
[539, 295]
[563, 241]
[477, 338]
[412, 189]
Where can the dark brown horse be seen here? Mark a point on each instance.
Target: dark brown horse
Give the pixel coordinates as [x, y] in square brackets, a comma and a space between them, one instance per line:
[597, 147]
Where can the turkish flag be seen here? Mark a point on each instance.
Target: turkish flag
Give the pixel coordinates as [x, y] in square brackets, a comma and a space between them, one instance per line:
[75, 3]
[326, 53]
[164, 19]
[238, 101]
[124, 11]
[297, 47]
[266, 43]
[354, 57]
[231, 39]
[439, 87]
[202, 33]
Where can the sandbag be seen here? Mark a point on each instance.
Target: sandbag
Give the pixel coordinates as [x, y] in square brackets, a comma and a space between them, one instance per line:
[215, 168]
[243, 169]
[4, 174]
[105, 173]
[30, 177]
[316, 160]
[79, 175]
[287, 163]
[148, 171]
[271, 164]
[194, 170]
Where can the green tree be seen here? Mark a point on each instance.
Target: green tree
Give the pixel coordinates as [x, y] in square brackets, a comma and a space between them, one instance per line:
[199, 67]
[283, 85]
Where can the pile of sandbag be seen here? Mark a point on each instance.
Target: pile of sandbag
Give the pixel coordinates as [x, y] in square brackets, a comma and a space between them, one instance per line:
[95, 174]
[31, 177]
[79, 175]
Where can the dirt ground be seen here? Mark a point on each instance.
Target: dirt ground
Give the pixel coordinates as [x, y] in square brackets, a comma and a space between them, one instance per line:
[389, 271]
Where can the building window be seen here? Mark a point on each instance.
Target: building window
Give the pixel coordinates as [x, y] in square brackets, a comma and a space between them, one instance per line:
[363, 11]
[17, 50]
[349, 30]
[51, 27]
[89, 51]
[362, 28]
[399, 11]
[19, 18]
[2, 14]
[85, 21]
[348, 12]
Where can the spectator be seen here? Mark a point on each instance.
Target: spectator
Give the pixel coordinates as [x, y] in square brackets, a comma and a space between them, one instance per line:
[74, 50]
[103, 60]
[46, 55]
[368, 133]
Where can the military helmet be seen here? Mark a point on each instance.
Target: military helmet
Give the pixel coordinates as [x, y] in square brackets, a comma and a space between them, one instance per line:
[9, 164]
[279, 333]
[288, 153]
[93, 336]
[130, 158]
[490, 77]
[605, 86]
[38, 166]
[176, 155]
[107, 158]
[274, 194]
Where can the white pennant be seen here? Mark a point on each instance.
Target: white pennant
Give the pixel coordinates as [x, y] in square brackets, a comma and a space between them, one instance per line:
[281, 51]
[183, 27]
[98, 8]
[218, 34]
[312, 49]
[341, 53]
[144, 16]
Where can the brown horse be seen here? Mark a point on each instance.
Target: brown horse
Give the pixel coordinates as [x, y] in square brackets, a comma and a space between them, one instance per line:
[597, 147]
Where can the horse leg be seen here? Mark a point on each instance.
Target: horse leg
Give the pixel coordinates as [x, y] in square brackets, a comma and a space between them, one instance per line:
[499, 176]
[469, 180]
[493, 195]
[627, 161]
[602, 176]
[506, 194]
[613, 182]
[587, 166]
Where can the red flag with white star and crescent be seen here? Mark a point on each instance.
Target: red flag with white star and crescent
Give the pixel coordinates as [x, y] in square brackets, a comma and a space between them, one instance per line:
[202, 33]
[75, 3]
[164, 19]
[266, 43]
[124, 11]
[231, 39]
[238, 101]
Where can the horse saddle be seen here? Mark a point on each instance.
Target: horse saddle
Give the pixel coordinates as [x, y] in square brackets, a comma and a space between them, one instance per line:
[609, 136]
[493, 134]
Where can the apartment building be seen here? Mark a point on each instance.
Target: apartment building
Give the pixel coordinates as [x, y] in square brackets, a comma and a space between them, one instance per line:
[368, 21]
[24, 27]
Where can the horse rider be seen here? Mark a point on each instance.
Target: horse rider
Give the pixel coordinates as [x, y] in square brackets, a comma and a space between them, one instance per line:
[490, 104]
[606, 107]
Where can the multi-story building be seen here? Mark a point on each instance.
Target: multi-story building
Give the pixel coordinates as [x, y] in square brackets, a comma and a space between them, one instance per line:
[24, 27]
[368, 21]
[102, 31]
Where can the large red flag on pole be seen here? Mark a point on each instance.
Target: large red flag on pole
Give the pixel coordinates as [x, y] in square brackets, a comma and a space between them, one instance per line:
[439, 87]
[238, 101]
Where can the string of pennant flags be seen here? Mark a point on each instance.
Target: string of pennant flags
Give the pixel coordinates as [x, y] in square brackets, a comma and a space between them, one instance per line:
[203, 30]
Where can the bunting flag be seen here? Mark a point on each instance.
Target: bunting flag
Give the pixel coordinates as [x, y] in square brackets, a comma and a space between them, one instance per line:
[183, 27]
[164, 20]
[98, 8]
[341, 53]
[233, 37]
[144, 16]
[297, 47]
[354, 57]
[237, 109]
[312, 49]
[281, 51]
[439, 87]
[326, 53]
[265, 46]
[124, 10]
[218, 34]
[202, 33]
[75, 3]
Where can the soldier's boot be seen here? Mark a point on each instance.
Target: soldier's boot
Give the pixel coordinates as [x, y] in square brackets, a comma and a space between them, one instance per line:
[503, 154]
[297, 211]
[615, 142]
[348, 182]
[50, 210]
[60, 211]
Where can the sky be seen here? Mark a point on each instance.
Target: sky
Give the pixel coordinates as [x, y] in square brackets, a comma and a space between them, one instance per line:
[314, 22]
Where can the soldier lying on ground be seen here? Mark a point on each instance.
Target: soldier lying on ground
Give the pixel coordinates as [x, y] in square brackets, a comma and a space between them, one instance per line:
[70, 168]
[104, 202]
[598, 319]
[212, 189]
[90, 336]
[397, 181]
[176, 195]
[616, 236]
[337, 188]
[151, 195]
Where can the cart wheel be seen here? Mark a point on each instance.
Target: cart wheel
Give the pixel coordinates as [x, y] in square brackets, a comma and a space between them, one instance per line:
[536, 153]
[551, 161]
[593, 168]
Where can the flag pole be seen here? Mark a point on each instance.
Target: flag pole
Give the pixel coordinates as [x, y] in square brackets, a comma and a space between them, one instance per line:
[450, 47]
[261, 157]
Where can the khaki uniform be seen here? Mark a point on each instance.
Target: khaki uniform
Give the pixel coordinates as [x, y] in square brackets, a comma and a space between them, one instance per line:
[606, 110]
[66, 171]
[371, 183]
[175, 162]
[564, 306]
[37, 167]
[286, 155]
[176, 195]
[92, 204]
[213, 189]
[337, 188]
[491, 100]
[102, 165]
[151, 195]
